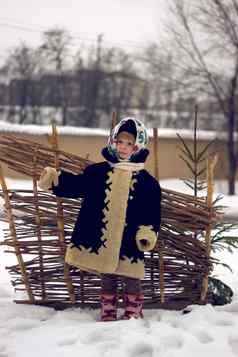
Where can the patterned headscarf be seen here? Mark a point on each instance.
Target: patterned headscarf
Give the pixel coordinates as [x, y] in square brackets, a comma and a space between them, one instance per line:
[132, 126]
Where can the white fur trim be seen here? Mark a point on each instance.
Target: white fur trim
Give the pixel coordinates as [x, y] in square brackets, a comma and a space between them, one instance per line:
[129, 166]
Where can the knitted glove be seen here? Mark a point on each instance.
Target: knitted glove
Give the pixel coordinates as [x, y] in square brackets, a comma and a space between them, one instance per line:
[146, 238]
[48, 177]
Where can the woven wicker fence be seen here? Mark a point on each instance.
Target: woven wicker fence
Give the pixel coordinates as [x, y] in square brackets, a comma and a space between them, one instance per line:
[40, 227]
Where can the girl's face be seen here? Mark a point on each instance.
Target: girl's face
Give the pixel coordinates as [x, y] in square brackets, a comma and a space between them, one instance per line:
[125, 145]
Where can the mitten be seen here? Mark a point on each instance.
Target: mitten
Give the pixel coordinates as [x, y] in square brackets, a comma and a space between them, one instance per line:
[146, 238]
[48, 177]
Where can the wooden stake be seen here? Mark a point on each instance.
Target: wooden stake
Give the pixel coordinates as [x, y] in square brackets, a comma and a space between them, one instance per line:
[161, 245]
[161, 270]
[60, 219]
[38, 224]
[114, 120]
[156, 161]
[211, 163]
[12, 229]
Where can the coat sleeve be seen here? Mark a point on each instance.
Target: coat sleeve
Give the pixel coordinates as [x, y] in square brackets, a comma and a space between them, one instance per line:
[147, 234]
[71, 185]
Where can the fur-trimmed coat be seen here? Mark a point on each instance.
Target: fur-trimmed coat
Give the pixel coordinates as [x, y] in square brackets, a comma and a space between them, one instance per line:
[118, 221]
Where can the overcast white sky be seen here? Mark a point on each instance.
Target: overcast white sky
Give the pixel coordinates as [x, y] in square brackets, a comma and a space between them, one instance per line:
[122, 22]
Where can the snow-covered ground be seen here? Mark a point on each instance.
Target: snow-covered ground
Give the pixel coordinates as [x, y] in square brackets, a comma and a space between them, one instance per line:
[6, 127]
[39, 331]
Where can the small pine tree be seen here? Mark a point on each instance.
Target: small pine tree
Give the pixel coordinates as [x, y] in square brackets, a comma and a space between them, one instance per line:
[195, 160]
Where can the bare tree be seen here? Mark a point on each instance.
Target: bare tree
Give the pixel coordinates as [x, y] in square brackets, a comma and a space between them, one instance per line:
[118, 92]
[107, 81]
[22, 64]
[205, 43]
[55, 50]
[158, 70]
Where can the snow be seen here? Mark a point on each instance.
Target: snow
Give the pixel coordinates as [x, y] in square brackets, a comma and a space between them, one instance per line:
[6, 127]
[47, 129]
[27, 331]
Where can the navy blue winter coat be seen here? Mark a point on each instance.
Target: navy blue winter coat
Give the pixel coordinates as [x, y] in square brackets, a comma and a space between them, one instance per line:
[118, 221]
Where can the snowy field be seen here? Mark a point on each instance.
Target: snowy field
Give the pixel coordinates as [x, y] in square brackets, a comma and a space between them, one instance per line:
[30, 331]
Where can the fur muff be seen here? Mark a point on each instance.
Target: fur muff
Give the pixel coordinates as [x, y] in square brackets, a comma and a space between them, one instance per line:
[146, 238]
[48, 177]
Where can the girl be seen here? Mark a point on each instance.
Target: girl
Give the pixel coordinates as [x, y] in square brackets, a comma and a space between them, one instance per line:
[119, 219]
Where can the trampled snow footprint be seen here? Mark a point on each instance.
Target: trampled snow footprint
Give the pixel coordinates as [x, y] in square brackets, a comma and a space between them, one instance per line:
[68, 341]
[232, 308]
[203, 336]
[173, 341]
[224, 322]
[4, 293]
[106, 333]
[4, 352]
[2, 349]
[94, 336]
[19, 324]
[141, 349]
[233, 341]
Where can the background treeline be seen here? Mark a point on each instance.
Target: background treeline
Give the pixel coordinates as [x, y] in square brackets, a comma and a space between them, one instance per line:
[82, 89]
[196, 61]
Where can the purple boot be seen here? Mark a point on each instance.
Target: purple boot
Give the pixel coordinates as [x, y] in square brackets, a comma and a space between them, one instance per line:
[133, 306]
[108, 307]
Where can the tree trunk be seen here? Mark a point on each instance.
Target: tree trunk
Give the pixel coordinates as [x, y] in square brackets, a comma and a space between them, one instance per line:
[22, 114]
[231, 183]
[64, 115]
[231, 148]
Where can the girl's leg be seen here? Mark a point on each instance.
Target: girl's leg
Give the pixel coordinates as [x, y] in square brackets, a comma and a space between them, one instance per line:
[108, 297]
[132, 286]
[109, 283]
[133, 298]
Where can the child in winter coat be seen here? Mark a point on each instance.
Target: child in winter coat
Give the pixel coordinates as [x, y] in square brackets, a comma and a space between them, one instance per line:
[119, 219]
